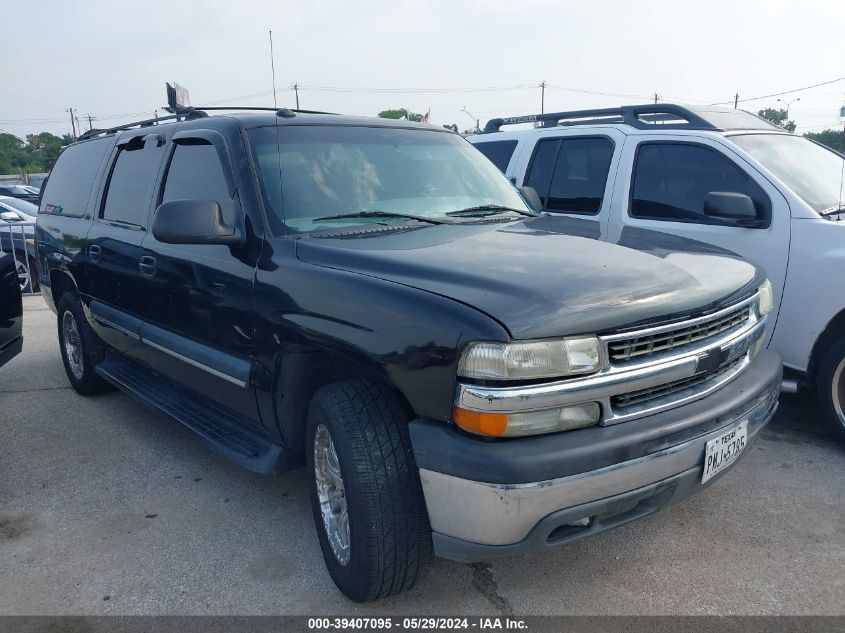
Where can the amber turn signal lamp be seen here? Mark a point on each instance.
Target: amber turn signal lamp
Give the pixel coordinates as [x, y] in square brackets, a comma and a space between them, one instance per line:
[481, 423]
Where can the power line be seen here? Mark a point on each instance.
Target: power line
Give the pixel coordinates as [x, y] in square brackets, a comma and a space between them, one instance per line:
[430, 90]
[596, 92]
[320, 88]
[778, 94]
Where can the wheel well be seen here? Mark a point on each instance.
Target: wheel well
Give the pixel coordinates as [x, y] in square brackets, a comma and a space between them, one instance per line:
[60, 283]
[834, 331]
[298, 377]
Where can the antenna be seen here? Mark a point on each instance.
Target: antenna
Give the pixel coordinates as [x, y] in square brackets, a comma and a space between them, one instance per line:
[273, 69]
[276, 123]
[842, 171]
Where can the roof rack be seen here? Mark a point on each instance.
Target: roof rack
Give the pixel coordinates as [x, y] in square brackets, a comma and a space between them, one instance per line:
[666, 115]
[188, 114]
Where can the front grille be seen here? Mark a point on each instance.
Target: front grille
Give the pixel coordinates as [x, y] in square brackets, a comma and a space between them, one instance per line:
[648, 345]
[640, 396]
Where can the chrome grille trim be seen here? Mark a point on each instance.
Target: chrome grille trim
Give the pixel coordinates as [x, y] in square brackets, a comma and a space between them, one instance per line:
[655, 343]
[642, 345]
[632, 399]
[600, 387]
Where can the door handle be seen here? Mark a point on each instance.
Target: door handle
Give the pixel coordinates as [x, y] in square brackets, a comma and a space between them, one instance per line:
[147, 266]
[94, 252]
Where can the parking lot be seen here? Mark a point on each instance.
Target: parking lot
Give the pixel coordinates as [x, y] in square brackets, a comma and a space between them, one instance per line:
[106, 507]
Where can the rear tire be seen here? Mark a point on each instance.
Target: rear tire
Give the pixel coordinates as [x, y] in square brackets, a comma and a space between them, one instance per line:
[371, 521]
[81, 348]
[830, 387]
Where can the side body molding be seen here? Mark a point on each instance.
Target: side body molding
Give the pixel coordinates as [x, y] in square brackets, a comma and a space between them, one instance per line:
[233, 369]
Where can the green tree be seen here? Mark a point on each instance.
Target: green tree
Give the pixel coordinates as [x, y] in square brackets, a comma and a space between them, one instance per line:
[778, 117]
[11, 151]
[453, 127]
[43, 149]
[36, 154]
[834, 139]
[399, 113]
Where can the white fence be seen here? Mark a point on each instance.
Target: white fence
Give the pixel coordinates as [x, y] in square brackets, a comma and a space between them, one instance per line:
[17, 238]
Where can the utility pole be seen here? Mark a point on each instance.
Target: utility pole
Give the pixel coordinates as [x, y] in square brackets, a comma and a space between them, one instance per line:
[90, 122]
[296, 92]
[542, 96]
[72, 122]
[736, 101]
[656, 97]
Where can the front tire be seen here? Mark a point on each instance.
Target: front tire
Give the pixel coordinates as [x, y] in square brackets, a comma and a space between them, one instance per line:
[365, 490]
[830, 387]
[81, 349]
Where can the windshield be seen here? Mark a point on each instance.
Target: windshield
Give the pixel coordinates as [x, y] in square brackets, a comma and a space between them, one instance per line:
[321, 171]
[20, 205]
[810, 170]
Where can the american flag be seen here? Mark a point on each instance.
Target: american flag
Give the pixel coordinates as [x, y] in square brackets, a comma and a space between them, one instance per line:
[426, 116]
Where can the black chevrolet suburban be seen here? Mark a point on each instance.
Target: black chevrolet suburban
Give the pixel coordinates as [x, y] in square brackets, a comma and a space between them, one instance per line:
[373, 300]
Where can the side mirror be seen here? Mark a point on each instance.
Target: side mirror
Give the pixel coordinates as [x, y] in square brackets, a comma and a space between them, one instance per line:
[10, 216]
[532, 198]
[732, 207]
[194, 222]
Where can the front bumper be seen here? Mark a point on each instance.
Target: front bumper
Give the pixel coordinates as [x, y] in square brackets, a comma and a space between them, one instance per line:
[491, 499]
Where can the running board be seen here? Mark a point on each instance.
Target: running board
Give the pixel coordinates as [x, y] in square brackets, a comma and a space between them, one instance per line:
[223, 432]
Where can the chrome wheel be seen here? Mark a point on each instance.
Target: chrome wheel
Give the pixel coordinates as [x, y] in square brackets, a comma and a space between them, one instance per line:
[331, 494]
[23, 275]
[837, 387]
[72, 344]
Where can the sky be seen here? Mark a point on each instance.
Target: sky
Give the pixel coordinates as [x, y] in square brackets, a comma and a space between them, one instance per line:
[460, 59]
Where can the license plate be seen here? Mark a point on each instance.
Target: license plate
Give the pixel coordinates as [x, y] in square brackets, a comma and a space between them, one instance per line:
[723, 451]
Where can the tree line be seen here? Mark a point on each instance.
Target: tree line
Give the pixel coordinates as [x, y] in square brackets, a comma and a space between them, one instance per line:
[33, 155]
[834, 139]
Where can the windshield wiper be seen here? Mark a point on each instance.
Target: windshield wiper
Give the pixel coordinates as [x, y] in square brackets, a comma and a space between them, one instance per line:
[484, 210]
[379, 214]
[838, 208]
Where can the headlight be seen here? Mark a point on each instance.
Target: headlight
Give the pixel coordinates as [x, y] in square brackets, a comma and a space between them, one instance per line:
[530, 360]
[528, 422]
[766, 300]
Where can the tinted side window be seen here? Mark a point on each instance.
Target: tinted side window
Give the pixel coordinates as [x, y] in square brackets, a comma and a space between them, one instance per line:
[541, 168]
[671, 181]
[580, 175]
[72, 178]
[195, 173]
[499, 152]
[128, 191]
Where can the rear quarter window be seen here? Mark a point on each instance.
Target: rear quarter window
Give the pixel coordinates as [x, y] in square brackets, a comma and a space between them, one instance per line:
[72, 178]
[499, 152]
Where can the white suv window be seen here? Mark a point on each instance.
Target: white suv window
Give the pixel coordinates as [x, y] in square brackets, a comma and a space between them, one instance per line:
[570, 174]
[671, 181]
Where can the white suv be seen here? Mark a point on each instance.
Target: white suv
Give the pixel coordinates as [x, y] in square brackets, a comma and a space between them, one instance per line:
[717, 175]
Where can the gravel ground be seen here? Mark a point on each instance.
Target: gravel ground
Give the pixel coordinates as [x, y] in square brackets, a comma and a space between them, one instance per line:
[108, 508]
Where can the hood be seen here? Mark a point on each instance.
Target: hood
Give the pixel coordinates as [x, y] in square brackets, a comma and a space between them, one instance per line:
[538, 280]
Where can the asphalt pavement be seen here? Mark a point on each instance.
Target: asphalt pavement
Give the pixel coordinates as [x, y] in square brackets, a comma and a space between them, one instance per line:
[109, 508]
